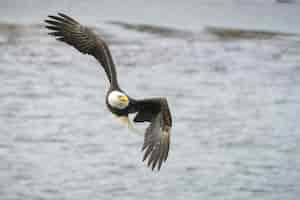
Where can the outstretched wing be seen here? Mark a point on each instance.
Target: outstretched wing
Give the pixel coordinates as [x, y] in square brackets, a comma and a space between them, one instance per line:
[157, 136]
[68, 30]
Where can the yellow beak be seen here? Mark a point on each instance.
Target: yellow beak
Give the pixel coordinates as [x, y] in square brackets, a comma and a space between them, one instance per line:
[124, 99]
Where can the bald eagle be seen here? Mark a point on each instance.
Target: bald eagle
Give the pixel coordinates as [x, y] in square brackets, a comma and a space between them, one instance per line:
[154, 110]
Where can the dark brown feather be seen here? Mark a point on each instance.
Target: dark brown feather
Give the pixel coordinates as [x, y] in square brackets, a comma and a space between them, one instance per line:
[68, 30]
[157, 137]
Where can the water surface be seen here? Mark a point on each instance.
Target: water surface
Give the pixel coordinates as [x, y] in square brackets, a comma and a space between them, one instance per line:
[234, 96]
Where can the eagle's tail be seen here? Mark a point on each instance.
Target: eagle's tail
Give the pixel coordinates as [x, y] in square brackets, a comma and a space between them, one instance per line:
[127, 122]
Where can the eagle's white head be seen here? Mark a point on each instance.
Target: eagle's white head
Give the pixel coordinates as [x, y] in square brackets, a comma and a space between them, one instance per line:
[117, 99]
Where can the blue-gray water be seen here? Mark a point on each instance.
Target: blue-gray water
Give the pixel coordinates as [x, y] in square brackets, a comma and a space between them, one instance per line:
[235, 100]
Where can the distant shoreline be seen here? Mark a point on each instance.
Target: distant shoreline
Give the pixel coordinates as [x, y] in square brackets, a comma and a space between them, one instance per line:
[224, 32]
[168, 31]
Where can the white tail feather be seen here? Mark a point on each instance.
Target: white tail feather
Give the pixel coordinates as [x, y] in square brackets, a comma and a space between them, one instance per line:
[127, 122]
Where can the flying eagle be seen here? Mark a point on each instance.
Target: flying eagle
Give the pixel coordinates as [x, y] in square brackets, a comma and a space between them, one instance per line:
[153, 110]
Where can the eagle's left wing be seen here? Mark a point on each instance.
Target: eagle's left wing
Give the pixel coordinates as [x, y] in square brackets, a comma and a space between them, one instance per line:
[157, 136]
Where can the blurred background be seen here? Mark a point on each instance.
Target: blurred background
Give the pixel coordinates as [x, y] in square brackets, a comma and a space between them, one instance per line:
[231, 73]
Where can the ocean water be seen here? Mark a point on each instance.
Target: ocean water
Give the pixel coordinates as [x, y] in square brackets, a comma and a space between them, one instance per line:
[234, 96]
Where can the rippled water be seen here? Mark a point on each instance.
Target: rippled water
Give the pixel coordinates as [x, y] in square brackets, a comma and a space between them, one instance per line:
[234, 97]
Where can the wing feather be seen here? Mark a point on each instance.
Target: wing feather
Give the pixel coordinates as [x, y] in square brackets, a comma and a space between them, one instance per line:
[157, 137]
[68, 30]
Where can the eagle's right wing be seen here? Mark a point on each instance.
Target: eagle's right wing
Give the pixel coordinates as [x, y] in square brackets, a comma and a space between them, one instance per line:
[68, 30]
